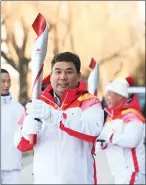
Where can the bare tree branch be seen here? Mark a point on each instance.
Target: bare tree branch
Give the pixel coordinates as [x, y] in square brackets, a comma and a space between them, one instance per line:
[119, 69]
[10, 42]
[3, 40]
[9, 61]
[56, 49]
[70, 25]
[51, 26]
[104, 60]
[25, 30]
[15, 44]
[4, 19]
[56, 40]
[116, 54]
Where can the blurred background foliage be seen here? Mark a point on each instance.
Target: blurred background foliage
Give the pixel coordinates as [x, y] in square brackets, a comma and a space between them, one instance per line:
[111, 31]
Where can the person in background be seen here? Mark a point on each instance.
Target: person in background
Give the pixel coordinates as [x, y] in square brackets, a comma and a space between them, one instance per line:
[71, 120]
[122, 135]
[11, 111]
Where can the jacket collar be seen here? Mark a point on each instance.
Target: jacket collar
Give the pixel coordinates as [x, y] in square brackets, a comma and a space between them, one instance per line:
[6, 99]
[131, 102]
[68, 96]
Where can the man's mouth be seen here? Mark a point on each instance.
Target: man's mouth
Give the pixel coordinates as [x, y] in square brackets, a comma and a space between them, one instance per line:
[63, 85]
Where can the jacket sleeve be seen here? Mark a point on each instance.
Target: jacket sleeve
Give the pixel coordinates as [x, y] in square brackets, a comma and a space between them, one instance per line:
[86, 126]
[131, 135]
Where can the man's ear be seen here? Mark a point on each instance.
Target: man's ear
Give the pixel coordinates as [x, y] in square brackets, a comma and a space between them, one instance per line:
[79, 75]
[50, 76]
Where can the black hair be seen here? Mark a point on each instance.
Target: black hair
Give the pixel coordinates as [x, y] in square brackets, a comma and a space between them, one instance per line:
[4, 71]
[103, 104]
[67, 57]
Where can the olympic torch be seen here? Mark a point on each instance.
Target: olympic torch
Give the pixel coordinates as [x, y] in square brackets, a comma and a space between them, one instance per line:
[93, 82]
[38, 56]
[93, 79]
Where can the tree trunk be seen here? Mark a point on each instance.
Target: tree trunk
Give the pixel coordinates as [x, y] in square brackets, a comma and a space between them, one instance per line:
[56, 49]
[23, 69]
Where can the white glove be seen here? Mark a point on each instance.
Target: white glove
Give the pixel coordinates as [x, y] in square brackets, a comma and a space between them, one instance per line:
[38, 109]
[44, 112]
[106, 133]
[97, 146]
[30, 126]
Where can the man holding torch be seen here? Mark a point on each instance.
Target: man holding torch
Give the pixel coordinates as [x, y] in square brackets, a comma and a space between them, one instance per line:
[69, 120]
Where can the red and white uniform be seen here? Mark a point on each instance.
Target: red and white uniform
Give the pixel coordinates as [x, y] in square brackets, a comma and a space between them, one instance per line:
[11, 158]
[65, 154]
[125, 149]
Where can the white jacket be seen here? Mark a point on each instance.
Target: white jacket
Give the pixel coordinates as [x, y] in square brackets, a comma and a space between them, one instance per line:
[64, 154]
[125, 148]
[11, 112]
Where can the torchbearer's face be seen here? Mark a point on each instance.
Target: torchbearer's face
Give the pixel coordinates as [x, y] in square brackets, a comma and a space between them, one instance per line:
[64, 76]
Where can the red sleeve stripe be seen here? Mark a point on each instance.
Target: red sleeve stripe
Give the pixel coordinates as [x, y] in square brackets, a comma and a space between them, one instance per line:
[94, 164]
[133, 178]
[77, 134]
[24, 145]
[135, 161]
[111, 138]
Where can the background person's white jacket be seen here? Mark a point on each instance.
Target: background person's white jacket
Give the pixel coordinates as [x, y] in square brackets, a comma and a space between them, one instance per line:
[124, 139]
[11, 112]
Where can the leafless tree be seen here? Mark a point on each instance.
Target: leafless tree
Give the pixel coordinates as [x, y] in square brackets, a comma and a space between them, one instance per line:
[16, 54]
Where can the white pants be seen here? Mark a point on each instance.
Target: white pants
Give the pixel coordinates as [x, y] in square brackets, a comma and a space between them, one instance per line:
[10, 177]
[134, 178]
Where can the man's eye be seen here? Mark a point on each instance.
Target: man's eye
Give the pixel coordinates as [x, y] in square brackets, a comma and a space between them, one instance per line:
[57, 72]
[69, 72]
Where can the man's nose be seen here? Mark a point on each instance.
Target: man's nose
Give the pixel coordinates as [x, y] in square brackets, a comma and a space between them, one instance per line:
[6, 84]
[63, 75]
